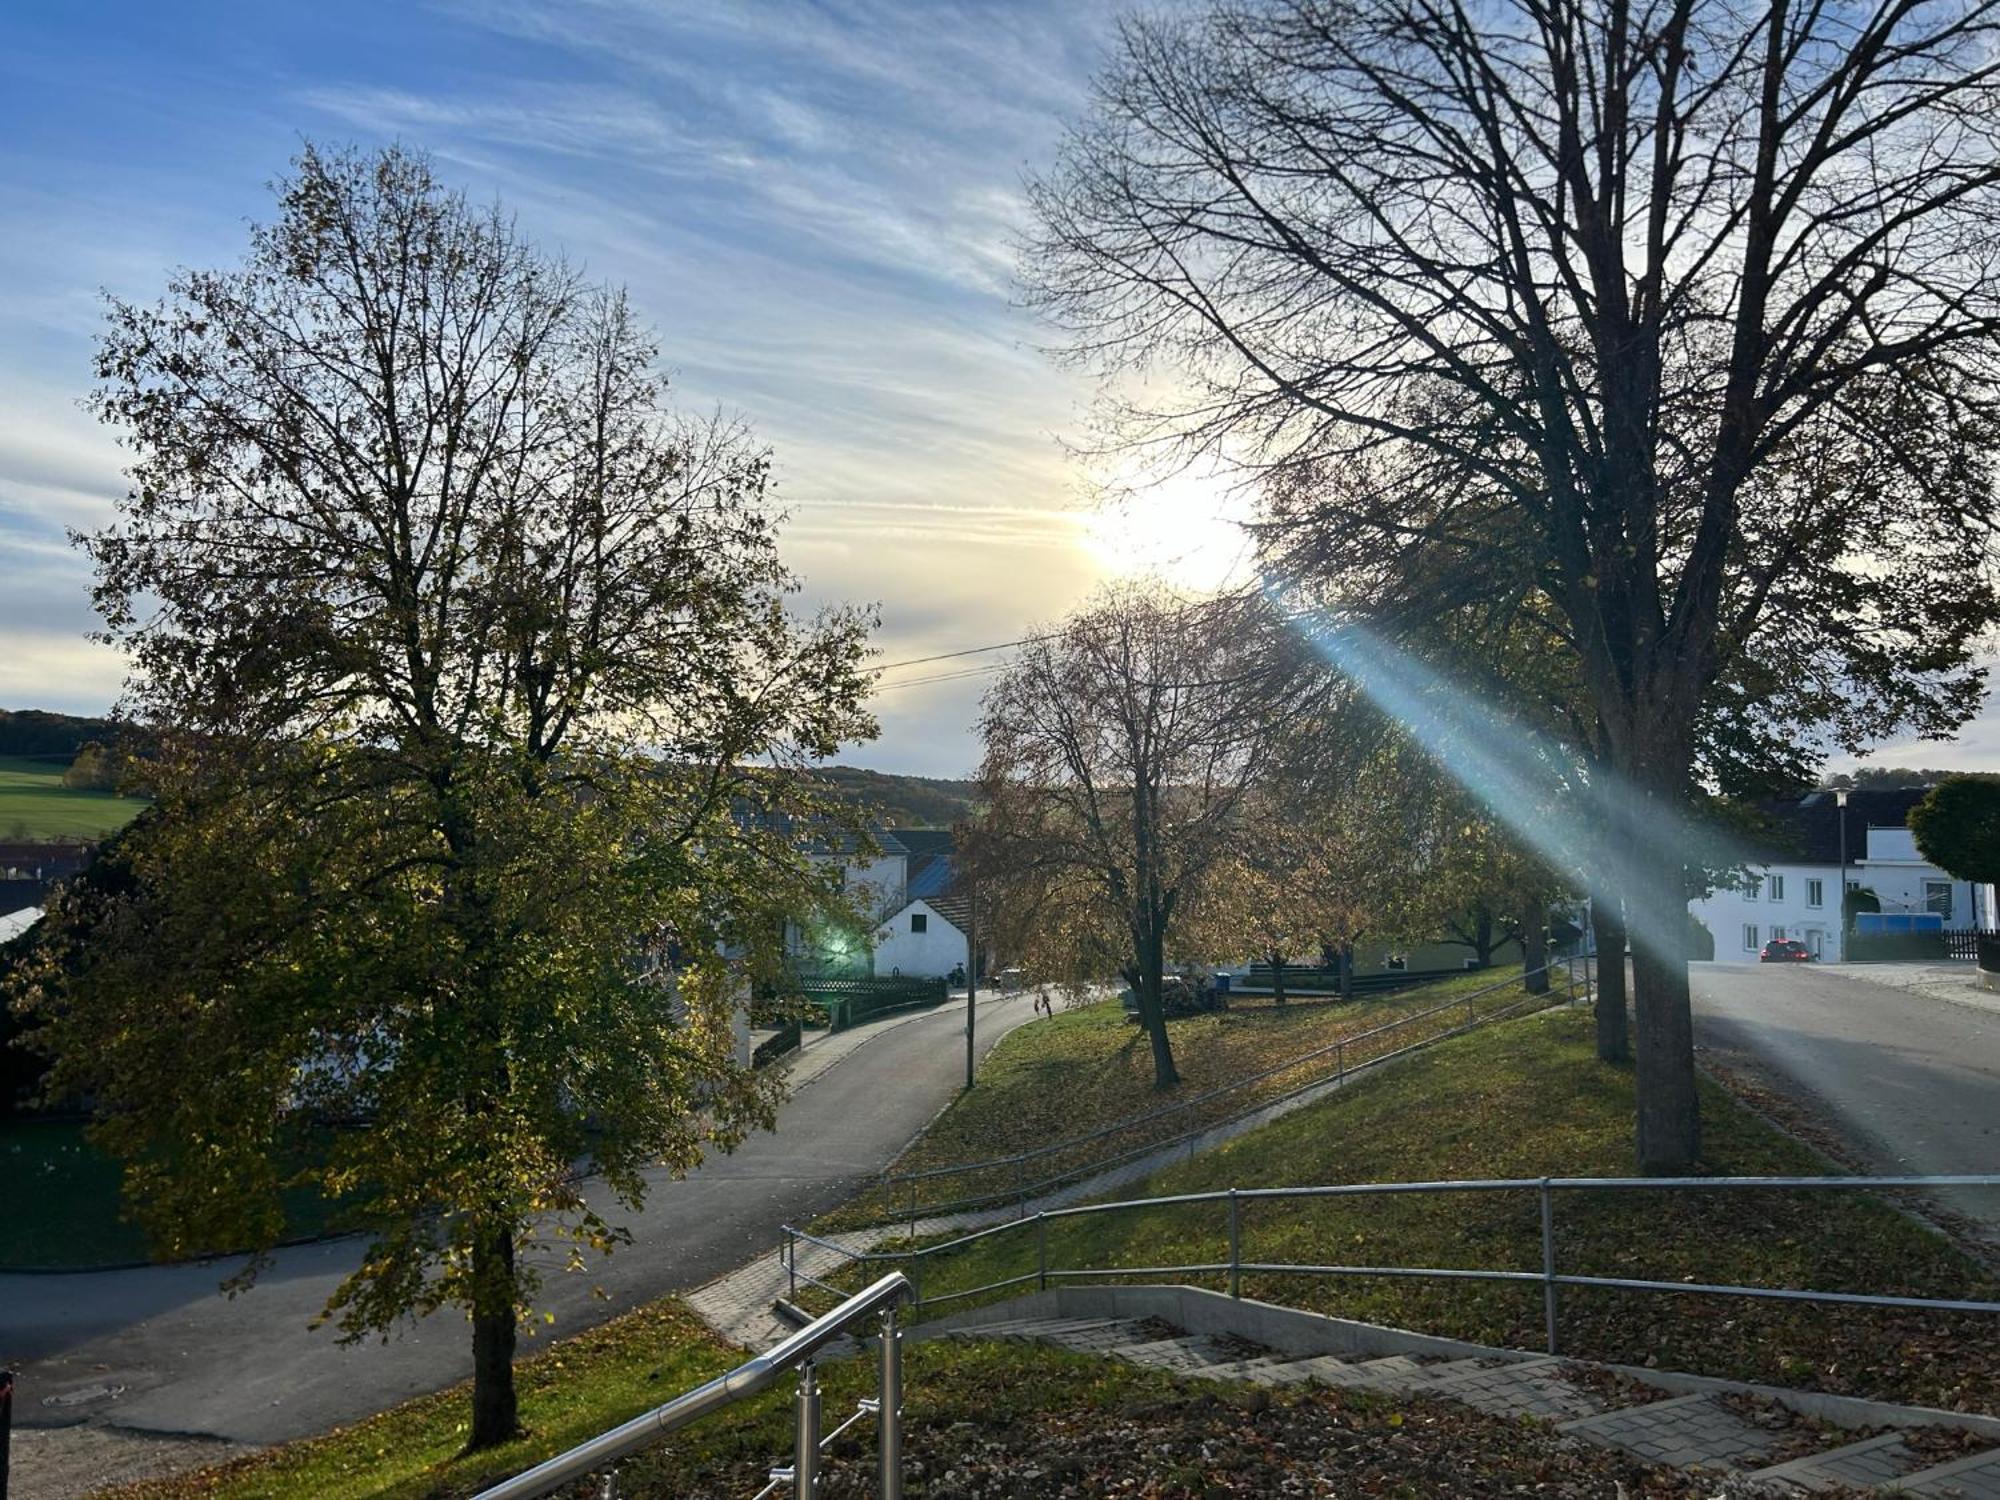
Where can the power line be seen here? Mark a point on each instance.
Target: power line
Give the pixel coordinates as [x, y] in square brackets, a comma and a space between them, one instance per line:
[958, 676]
[918, 661]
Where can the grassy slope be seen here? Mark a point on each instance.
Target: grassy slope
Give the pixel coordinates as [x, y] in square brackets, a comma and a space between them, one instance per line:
[1522, 1099]
[34, 804]
[992, 1419]
[1090, 1068]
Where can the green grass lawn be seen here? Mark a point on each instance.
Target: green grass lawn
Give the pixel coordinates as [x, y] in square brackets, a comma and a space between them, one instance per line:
[66, 1212]
[979, 1419]
[35, 805]
[1525, 1098]
[1091, 1068]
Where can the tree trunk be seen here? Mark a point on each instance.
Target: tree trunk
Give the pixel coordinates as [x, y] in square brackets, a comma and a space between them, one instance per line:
[1614, 1032]
[1277, 977]
[495, 1411]
[1347, 971]
[1535, 949]
[1669, 1136]
[1152, 1006]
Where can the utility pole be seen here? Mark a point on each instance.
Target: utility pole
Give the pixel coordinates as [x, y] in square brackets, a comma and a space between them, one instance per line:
[971, 969]
[1840, 812]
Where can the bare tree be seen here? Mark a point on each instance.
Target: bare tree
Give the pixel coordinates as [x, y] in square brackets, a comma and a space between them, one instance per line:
[1678, 315]
[1120, 752]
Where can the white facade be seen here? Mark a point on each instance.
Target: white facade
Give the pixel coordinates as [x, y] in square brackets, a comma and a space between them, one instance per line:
[1802, 901]
[919, 942]
[1786, 901]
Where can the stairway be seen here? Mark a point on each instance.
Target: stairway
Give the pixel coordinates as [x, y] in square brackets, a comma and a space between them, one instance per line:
[1706, 1430]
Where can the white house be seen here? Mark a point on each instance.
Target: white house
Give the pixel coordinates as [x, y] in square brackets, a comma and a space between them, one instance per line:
[1795, 891]
[928, 935]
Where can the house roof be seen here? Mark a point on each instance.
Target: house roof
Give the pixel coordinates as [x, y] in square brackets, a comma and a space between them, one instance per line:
[934, 875]
[1806, 830]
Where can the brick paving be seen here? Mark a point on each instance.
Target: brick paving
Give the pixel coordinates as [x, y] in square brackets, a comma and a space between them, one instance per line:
[1974, 1478]
[1686, 1432]
[1870, 1462]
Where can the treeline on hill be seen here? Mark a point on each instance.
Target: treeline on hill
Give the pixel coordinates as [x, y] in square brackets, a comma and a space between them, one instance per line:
[36, 734]
[902, 801]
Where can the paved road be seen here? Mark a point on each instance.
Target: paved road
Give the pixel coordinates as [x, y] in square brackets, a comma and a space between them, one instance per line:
[247, 1369]
[1911, 1079]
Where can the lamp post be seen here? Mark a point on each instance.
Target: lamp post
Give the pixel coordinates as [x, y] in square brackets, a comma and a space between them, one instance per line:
[1840, 814]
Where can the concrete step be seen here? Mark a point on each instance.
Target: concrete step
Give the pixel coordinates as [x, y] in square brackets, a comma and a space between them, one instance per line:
[1975, 1477]
[1044, 1329]
[1531, 1388]
[1190, 1354]
[1279, 1369]
[1863, 1465]
[1687, 1432]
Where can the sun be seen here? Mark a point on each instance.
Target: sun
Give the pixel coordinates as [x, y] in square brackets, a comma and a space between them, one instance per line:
[1185, 529]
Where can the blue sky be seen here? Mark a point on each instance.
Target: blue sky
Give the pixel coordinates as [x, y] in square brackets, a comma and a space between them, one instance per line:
[812, 202]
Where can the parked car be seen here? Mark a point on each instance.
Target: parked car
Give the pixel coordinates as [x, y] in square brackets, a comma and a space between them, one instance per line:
[1785, 951]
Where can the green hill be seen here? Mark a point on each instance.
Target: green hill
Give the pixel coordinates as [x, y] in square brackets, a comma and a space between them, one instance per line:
[902, 801]
[35, 806]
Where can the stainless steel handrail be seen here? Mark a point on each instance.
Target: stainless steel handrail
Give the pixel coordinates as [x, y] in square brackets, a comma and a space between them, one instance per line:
[1549, 1278]
[891, 1181]
[747, 1379]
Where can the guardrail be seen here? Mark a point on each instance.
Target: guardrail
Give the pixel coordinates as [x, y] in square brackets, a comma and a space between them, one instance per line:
[602, 1453]
[1344, 1062]
[1550, 1277]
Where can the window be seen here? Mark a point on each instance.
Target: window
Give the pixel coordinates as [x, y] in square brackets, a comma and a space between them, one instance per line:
[1815, 893]
[1750, 944]
[1777, 934]
[919, 922]
[1752, 886]
[1937, 897]
[1777, 887]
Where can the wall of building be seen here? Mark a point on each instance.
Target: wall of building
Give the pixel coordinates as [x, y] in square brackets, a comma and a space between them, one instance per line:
[930, 954]
[1776, 914]
[1902, 885]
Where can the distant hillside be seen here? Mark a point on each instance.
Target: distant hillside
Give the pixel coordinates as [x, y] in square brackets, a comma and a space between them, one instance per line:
[37, 733]
[902, 801]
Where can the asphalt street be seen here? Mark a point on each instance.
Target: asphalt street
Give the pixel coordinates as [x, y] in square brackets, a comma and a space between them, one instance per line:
[160, 1350]
[1910, 1079]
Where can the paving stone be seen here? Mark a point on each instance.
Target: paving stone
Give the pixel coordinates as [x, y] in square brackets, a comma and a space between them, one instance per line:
[1870, 1462]
[1687, 1431]
[1532, 1388]
[1973, 1478]
[1191, 1354]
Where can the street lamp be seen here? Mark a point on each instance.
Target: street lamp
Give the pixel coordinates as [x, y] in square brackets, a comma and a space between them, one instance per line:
[1840, 813]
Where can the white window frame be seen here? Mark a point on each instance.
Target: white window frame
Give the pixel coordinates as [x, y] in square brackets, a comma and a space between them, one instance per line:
[1750, 943]
[1777, 933]
[1815, 892]
[1777, 887]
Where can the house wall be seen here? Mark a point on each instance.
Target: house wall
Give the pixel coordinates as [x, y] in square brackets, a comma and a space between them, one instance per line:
[880, 882]
[1727, 913]
[1899, 883]
[931, 954]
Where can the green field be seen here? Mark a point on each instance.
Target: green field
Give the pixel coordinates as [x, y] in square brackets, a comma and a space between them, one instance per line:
[35, 805]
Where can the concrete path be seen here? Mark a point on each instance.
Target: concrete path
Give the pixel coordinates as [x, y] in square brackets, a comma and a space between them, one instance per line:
[1912, 1079]
[157, 1350]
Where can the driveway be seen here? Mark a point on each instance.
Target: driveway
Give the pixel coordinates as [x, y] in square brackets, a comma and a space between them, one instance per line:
[1909, 1077]
[182, 1359]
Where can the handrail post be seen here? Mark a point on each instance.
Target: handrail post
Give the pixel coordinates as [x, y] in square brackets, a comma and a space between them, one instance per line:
[1041, 1251]
[889, 1413]
[792, 1261]
[1340, 1059]
[805, 1445]
[916, 1282]
[1235, 1245]
[1549, 1263]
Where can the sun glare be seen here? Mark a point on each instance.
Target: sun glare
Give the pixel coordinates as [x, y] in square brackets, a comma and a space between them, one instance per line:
[1185, 529]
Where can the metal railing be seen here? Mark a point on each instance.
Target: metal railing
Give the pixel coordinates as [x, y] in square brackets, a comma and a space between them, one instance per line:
[801, 1477]
[1549, 1277]
[1342, 1052]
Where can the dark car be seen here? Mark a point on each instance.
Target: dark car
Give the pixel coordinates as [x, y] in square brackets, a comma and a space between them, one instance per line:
[1785, 951]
